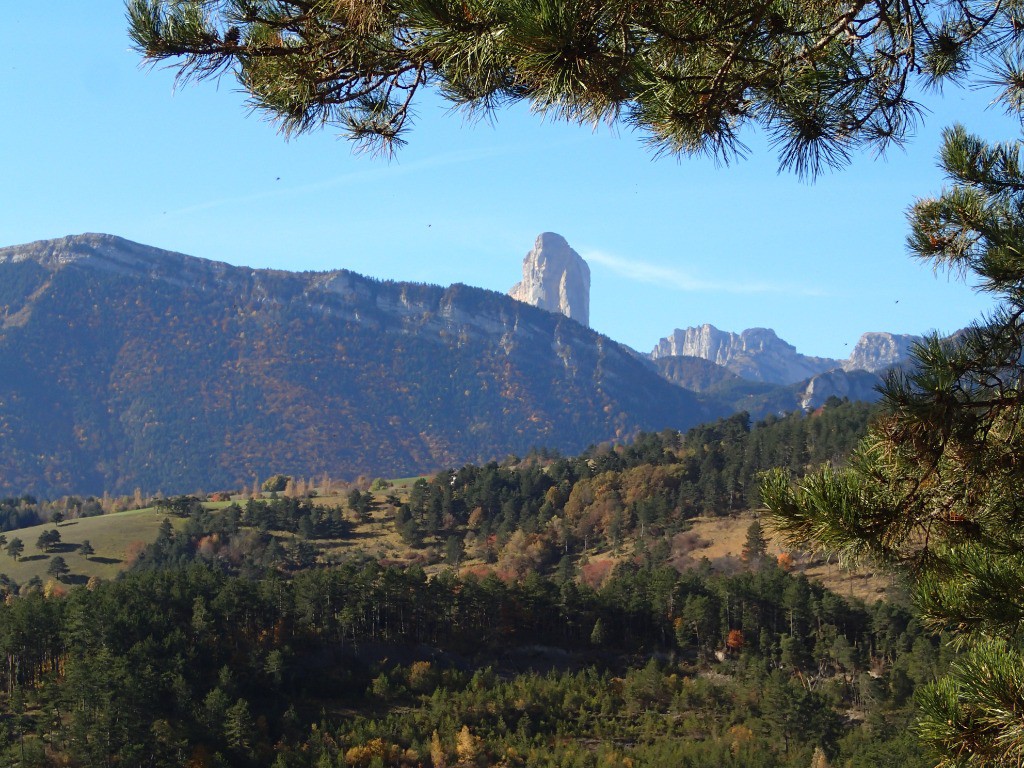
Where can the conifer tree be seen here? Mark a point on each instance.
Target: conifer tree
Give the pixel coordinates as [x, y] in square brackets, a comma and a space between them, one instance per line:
[934, 491]
[755, 547]
[47, 540]
[821, 78]
[239, 728]
[15, 547]
[598, 635]
[58, 568]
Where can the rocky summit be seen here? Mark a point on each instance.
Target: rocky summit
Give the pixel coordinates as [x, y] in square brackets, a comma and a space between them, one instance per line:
[877, 351]
[758, 354]
[555, 278]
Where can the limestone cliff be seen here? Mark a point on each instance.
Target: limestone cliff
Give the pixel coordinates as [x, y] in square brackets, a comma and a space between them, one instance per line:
[878, 351]
[855, 384]
[555, 278]
[756, 354]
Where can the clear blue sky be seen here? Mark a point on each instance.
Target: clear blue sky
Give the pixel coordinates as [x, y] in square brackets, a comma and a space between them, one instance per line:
[94, 143]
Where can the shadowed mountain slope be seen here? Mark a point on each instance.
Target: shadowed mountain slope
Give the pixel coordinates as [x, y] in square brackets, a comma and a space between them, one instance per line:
[127, 366]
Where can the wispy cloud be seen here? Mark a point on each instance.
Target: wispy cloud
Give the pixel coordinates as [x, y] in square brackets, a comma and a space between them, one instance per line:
[644, 272]
[356, 177]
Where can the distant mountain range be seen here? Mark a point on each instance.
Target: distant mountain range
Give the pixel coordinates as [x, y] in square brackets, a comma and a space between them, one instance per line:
[758, 372]
[758, 354]
[127, 366]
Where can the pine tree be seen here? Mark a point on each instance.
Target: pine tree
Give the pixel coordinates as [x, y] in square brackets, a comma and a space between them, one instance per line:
[239, 727]
[934, 490]
[821, 78]
[598, 635]
[755, 547]
[15, 547]
[58, 568]
[47, 540]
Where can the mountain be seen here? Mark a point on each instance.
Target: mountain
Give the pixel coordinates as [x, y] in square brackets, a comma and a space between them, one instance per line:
[555, 278]
[695, 373]
[762, 399]
[128, 366]
[758, 354]
[853, 384]
[877, 351]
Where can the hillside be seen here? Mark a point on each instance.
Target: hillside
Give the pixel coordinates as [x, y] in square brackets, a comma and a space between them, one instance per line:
[668, 499]
[611, 609]
[113, 537]
[127, 366]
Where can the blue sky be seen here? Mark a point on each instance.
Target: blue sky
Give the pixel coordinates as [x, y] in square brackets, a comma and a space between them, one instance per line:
[92, 142]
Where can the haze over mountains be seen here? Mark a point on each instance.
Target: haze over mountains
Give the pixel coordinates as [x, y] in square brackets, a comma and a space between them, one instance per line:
[127, 366]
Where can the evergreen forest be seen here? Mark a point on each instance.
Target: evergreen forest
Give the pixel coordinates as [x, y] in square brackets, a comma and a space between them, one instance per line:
[543, 614]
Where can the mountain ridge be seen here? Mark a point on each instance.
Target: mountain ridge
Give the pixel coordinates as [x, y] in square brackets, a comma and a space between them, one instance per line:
[758, 354]
[132, 366]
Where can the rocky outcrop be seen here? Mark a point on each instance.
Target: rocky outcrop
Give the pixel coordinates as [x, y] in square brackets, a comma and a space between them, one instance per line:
[555, 278]
[878, 351]
[853, 384]
[756, 354]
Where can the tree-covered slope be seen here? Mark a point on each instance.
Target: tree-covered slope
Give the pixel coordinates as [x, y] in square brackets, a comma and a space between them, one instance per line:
[127, 366]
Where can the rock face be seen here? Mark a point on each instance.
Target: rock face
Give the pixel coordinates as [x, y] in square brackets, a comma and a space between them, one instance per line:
[854, 384]
[878, 351]
[756, 354]
[555, 278]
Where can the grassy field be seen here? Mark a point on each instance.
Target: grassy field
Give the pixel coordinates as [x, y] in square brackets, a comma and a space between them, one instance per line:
[111, 536]
[724, 537]
[115, 537]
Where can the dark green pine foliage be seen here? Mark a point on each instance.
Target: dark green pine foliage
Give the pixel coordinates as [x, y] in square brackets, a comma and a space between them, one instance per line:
[822, 79]
[162, 667]
[934, 491]
[58, 568]
[755, 547]
[15, 547]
